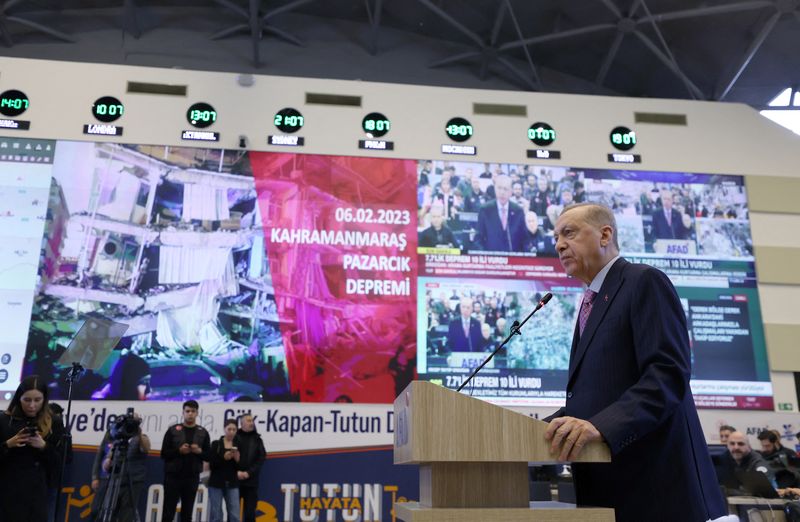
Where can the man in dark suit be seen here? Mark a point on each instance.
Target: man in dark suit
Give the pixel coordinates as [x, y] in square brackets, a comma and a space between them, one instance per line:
[501, 223]
[536, 241]
[438, 234]
[464, 333]
[628, 384]
[667, 221]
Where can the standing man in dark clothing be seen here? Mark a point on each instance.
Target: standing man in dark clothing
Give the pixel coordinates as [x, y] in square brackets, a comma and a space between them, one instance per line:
[185, 447]
[252, 455]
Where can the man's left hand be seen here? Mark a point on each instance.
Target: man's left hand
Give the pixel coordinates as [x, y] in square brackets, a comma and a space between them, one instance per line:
[569, 435]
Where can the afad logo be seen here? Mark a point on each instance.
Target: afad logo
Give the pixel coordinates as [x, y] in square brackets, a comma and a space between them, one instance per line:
[330, 502]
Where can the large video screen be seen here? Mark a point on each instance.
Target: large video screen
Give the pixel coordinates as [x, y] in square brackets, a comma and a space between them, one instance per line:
[255, 276]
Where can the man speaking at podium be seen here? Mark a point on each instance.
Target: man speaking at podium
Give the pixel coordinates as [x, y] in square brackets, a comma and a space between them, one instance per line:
[628, 384]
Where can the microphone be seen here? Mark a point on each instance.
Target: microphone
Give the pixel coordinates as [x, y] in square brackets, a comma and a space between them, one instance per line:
[515, 330]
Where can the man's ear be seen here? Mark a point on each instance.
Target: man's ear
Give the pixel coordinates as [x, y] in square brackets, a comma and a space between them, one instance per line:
[606, 235]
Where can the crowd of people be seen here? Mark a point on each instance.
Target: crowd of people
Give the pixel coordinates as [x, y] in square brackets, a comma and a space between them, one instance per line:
[513, 208]
[501, 209]
[33, 444]
[479, 321]
[780, 465]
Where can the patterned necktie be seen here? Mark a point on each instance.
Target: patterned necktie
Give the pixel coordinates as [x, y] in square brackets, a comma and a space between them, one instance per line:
[586, 309]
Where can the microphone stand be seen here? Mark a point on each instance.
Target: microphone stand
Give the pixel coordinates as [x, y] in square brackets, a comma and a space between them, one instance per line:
[515, 330]
[66, 439]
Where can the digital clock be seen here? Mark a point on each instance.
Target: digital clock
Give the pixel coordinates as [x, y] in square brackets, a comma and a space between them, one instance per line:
[288, 120]
[458, 129]
[376, 125]
[541, 134]
[622, 138]
[13, 103]
[201, 115]
[107, 109]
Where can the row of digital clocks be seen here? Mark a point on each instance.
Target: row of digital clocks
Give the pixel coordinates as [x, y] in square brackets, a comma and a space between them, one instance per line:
[200, 116]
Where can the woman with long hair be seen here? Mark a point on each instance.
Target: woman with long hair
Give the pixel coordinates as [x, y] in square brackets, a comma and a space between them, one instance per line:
[29, 442]
[223, 482]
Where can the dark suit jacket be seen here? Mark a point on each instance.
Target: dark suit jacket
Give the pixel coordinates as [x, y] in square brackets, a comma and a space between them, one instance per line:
[458, 342]
[662, 230]
[429, 237]
[540, 244]
[629, 376]
[492, 237]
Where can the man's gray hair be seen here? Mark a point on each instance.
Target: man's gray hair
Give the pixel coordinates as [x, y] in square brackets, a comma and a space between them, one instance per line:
[599, 216]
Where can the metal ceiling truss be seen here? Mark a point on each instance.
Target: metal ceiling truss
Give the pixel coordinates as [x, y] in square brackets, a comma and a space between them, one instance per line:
[7, 18]
[505, 47]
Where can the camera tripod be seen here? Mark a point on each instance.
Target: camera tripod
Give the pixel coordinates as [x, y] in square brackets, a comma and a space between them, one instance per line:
[117, 474]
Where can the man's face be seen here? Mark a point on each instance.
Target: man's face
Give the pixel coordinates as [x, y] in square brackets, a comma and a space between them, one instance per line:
[476, 185]
[437, 218]
[738, 446]
[500, 325]
[486, 330]
[767, 446]
[517, 190]
[247, 423]
[666, 200]
[466, 307]
[723, 436]
[532, 181]
[566, 198]
[502, 189]
[189, 415]
[531, 222]
[542, 184]
[580, 244]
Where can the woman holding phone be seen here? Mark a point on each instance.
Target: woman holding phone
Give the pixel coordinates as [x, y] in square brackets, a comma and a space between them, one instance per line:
[29, 442]
[223, 482]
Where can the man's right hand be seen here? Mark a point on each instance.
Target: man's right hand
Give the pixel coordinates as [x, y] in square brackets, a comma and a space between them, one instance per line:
[95, 484]
[184, 449]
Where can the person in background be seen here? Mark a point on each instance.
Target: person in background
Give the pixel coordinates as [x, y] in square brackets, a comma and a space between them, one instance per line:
[668, 222]
[501, 222]
[223, 481]
[54, 478]
[185, 447]
[536, 241]
[438, 234]
[132, 479]
[742, 457]
[725, 432]
[464, 333]
[776, 455]
[251, 449]
[30, 451]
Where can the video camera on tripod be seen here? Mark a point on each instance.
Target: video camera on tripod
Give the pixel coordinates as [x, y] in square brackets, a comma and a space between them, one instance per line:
[117, 464]
[125, 426]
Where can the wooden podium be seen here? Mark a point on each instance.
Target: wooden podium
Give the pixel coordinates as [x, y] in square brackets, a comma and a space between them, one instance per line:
[473, 459]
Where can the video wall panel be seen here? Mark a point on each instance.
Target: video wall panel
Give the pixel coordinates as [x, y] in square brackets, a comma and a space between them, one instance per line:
[258, 276]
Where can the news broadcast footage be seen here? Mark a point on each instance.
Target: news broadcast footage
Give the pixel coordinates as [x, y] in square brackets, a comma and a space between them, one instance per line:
[259, 276]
